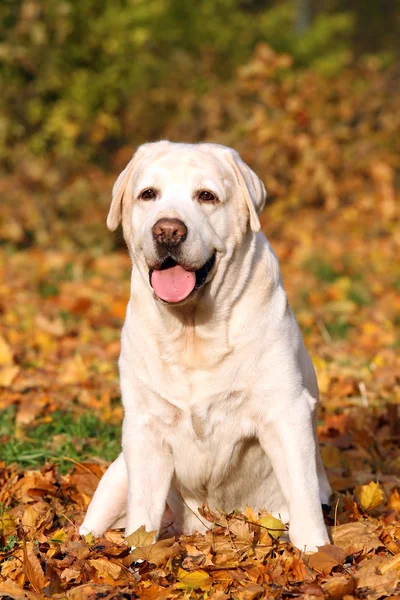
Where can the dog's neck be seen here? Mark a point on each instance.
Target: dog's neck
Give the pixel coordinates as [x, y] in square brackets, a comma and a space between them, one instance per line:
[197, 335]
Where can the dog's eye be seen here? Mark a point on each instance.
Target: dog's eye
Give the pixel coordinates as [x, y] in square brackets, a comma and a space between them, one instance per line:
[149, 194]
[206, 196]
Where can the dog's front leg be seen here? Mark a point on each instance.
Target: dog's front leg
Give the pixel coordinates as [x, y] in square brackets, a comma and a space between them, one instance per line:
[150, 469]
[287, 438]
[108, 504]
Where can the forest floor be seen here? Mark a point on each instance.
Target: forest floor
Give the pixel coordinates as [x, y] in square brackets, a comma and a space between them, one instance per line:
[61, 316]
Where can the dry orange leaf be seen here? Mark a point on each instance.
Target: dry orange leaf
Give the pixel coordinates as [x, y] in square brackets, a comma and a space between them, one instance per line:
[338, 586]
[326, 558]
[394, 500]
[6, 354]
[158, 553]
[106, 570]
[33, 570]
[8, 374]
[11, 589]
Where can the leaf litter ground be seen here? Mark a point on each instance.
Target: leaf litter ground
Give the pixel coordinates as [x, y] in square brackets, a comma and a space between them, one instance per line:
[61, 315]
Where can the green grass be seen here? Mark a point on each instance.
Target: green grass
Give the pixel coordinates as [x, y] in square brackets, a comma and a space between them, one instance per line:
[338, 330]
[322, 269]
[64, 437]
[359, 295]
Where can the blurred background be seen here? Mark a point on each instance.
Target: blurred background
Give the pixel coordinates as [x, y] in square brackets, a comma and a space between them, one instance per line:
[308, 92]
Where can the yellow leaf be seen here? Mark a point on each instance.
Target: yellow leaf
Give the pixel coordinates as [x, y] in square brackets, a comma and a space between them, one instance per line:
[58, 536]
[6, 523]
[274, 526]
[6, 355]
[89, 538]
[140, 537]
[74, 371]
[193, 580]
[105, 569]
[8, 374]
[370, 496]
[250, 514]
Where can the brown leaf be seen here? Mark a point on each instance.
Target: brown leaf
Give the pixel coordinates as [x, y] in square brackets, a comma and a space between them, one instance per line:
[6, 354]
[140, 537]
[158, 553]
[371, 581]
[394, 500]
[392, 563]
[33, 570]
[326, 558]
[11, 589]
[337, 586]
[356, 537]
[8, 374]
[250, 592]
[312, 590]
[241, 530]
[71, 574]
[106, 570]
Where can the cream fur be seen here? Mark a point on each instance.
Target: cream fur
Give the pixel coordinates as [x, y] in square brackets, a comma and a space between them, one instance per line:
[219, 393]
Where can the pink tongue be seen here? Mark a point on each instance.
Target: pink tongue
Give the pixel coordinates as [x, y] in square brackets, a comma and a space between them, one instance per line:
[173, 284]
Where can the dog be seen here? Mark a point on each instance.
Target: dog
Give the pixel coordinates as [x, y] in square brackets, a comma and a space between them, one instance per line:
[220, 396]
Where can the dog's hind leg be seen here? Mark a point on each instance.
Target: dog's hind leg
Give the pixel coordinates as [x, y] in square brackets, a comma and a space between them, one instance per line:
[108, 506]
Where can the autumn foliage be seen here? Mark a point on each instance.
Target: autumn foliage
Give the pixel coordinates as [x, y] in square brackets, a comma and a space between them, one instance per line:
[327, 149]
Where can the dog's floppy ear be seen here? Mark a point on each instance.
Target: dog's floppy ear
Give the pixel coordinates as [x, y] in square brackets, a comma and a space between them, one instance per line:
[252, 187]
[124, 178]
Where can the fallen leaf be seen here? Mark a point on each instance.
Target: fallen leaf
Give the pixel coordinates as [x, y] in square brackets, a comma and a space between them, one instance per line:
[7, 524]
[12, 590]
[158, 553]
[275, 527]
[326, 558]
[370, 496]
[338, 586]
[33, 570]
[372, 583]
[140, 537]
[392, 563]
[58, 536]
[8, 374]
[106, 570]
[394, 500]
[71, 574]
[193, 580]
[356, 537]
[6, 354]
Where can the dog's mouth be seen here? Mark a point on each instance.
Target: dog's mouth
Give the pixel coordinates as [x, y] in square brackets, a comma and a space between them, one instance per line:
[173, 283]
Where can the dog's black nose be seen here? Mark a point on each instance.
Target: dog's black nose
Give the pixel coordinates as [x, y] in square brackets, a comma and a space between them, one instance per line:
[169, 233]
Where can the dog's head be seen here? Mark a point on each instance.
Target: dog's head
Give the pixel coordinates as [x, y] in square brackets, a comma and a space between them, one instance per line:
[183, 206]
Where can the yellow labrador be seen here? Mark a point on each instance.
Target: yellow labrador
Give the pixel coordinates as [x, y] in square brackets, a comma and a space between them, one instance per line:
[219, 393]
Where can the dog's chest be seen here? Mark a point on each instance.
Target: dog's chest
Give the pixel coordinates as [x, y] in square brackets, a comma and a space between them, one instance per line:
[204, 441]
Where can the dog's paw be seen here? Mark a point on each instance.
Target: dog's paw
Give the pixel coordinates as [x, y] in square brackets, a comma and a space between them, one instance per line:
[84, 531]
[308, 541]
